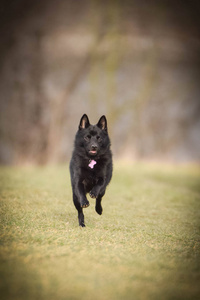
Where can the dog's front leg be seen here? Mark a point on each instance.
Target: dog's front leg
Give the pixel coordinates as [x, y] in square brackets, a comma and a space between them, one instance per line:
[94, 193]
[80, 210]
[98, 192]
[80, 191]
[80, 201]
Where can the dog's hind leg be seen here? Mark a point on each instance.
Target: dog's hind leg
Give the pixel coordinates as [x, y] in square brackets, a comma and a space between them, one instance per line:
[98, 206]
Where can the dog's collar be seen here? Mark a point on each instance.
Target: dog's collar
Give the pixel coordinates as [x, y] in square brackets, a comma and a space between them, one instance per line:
[92, 163]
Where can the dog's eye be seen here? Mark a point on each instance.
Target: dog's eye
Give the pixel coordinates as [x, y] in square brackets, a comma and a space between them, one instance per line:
[87, 138]
[99, 139]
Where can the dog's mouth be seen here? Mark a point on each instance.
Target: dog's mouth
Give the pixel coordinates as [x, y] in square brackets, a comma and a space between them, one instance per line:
[93, 152]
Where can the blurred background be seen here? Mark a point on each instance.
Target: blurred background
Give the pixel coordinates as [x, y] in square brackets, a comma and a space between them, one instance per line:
[135, 61]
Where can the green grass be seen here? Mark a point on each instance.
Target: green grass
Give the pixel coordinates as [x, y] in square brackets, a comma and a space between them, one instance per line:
[146, 245]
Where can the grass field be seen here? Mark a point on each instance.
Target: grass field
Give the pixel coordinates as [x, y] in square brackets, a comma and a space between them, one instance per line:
[146, 245]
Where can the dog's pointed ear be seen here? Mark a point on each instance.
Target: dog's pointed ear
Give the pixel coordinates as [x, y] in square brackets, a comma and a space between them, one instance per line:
[102, 123]
[84, 122]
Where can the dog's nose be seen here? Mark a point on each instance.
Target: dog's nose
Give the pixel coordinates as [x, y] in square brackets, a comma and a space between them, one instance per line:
[94, 147]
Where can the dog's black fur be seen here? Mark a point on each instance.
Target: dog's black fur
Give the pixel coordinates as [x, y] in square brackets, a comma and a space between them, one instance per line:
[91, 165]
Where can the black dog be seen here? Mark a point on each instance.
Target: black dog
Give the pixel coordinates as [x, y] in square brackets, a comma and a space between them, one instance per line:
[91, 165]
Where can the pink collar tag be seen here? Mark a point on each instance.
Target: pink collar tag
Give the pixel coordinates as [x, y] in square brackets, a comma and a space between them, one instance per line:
[92, 164]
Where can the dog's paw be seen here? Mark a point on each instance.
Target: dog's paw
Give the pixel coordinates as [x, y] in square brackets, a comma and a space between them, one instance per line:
[85, 203]
[99, 209]
[94, 193]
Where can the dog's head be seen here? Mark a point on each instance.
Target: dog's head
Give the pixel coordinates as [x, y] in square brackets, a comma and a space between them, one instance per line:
[93, 139]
